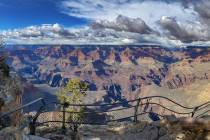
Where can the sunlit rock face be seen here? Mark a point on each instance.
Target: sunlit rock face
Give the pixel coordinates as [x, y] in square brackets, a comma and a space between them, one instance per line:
[133, 68]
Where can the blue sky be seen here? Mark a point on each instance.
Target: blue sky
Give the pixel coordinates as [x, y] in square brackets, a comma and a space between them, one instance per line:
[165, 22]
[22, 13]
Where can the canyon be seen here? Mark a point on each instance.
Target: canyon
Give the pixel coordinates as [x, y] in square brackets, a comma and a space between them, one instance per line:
[114, 72]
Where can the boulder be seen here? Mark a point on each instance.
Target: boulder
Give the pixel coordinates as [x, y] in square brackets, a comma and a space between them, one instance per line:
[11, 133]
[162, 131]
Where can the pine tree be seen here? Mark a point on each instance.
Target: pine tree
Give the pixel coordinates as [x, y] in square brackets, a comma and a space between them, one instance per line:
[70, 94]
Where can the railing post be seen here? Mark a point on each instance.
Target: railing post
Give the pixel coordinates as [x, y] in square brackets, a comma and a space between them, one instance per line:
[32, 124]
[32, 128]
[193, 113]
[64, 119]
[43, 102]
[136, 110]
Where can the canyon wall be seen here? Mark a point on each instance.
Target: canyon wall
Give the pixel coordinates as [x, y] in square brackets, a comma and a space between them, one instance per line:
[119, 70]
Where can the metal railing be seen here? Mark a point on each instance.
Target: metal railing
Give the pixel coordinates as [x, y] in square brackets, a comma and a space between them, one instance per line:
[20, 110]
[102, 114]
[24, 106]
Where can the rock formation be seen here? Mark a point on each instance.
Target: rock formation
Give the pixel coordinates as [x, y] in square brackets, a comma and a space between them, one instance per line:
[131, 67]
[10, 97]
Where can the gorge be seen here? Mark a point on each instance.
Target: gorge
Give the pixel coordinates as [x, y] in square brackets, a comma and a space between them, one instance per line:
[114, 72]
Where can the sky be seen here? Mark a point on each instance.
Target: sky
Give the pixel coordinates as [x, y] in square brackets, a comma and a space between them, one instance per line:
[165, 22]
[23, 13]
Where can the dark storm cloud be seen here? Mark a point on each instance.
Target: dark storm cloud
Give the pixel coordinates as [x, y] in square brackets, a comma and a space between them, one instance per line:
[123, 23]
[203, 8]
[185, 32]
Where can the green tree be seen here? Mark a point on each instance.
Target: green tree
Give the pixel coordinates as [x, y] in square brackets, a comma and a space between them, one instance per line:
[72, 93]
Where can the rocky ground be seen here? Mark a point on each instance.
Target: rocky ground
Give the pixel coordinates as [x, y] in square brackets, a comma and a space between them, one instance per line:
[169, 128]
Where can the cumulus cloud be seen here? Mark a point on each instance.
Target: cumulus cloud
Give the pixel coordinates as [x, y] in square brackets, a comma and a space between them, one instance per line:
[148, 10]
[57, 34]
[187, 32]
[124, 23]
[44, 33]
[164, 22]
[203, 9]
[169, 21]
[46, 30]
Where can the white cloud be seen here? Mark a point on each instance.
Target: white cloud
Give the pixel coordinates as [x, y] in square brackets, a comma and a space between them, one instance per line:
[203, 8]
[140, 22]
[123, 23]
[149, 11]
[186, 32]
[144, 17]
[57, 34]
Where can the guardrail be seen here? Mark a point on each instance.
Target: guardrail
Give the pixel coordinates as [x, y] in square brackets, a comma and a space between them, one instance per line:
[21, 108]
[102, 114]
[24, 106]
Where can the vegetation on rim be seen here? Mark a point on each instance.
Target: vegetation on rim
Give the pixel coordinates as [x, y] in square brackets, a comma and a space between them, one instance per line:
[72, 93]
